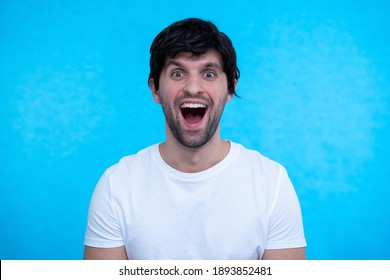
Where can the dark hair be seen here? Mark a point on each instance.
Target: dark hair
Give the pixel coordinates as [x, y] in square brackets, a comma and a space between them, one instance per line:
[196, 36]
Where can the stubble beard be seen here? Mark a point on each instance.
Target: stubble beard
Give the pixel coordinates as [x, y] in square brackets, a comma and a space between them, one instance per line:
[192, 139]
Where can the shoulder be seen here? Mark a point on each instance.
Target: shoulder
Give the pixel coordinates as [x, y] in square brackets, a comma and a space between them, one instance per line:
[129, 169]
[131, 162]
[259, 161]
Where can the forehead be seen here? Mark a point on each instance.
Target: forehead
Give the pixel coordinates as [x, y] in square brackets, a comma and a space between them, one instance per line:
[211, 57]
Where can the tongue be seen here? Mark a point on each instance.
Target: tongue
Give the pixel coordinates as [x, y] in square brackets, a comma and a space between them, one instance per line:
[192, 119]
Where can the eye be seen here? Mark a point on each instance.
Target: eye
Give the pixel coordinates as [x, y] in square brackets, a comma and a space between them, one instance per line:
[209, 74]
[177, 74]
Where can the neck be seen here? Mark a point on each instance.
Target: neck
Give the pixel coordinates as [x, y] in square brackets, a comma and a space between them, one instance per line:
[192, 160]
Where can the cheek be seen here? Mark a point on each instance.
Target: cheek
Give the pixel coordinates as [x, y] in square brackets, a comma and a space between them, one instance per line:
[166, 100]
[221, 93]
[168, 97]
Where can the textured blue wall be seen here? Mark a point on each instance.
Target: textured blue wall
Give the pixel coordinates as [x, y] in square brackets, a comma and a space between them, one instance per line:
[315, 90]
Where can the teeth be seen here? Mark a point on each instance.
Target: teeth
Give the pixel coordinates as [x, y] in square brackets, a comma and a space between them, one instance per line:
[192, 105]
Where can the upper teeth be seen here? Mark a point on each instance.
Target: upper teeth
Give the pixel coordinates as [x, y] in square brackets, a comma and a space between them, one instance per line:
[193, 105]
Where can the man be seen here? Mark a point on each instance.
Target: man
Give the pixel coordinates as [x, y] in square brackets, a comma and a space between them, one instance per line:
[194, 196]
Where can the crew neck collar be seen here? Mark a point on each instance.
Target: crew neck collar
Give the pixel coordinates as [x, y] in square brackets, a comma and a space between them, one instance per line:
[197, 175]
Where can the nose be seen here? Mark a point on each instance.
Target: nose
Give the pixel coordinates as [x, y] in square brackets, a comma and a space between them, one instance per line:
[193, 85]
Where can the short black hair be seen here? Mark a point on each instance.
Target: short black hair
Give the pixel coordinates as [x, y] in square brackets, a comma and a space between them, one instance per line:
[196, 36]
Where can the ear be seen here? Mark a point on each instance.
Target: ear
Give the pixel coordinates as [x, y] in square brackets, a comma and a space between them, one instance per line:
[230, 95]
[154, 91]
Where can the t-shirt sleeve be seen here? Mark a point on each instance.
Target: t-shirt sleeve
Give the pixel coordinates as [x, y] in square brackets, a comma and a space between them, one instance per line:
[285, 223]
[103, 227]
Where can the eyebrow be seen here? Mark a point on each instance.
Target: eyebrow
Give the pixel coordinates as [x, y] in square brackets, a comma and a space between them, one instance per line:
[213, 65]
[206, 65]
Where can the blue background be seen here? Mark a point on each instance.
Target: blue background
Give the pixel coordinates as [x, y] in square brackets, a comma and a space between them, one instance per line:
[74, 99]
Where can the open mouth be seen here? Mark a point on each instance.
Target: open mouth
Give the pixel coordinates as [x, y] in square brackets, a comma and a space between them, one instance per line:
[193, 113]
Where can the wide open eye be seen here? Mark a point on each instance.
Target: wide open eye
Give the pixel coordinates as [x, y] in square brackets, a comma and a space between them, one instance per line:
[209, 74]
[177, 74]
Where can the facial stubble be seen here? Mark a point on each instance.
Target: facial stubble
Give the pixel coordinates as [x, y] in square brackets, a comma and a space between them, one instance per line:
[193, 139]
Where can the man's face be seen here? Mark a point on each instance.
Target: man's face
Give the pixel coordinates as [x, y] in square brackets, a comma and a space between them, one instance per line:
[193, 91]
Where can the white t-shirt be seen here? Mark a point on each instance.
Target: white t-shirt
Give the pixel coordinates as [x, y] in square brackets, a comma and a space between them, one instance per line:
[233, 210]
